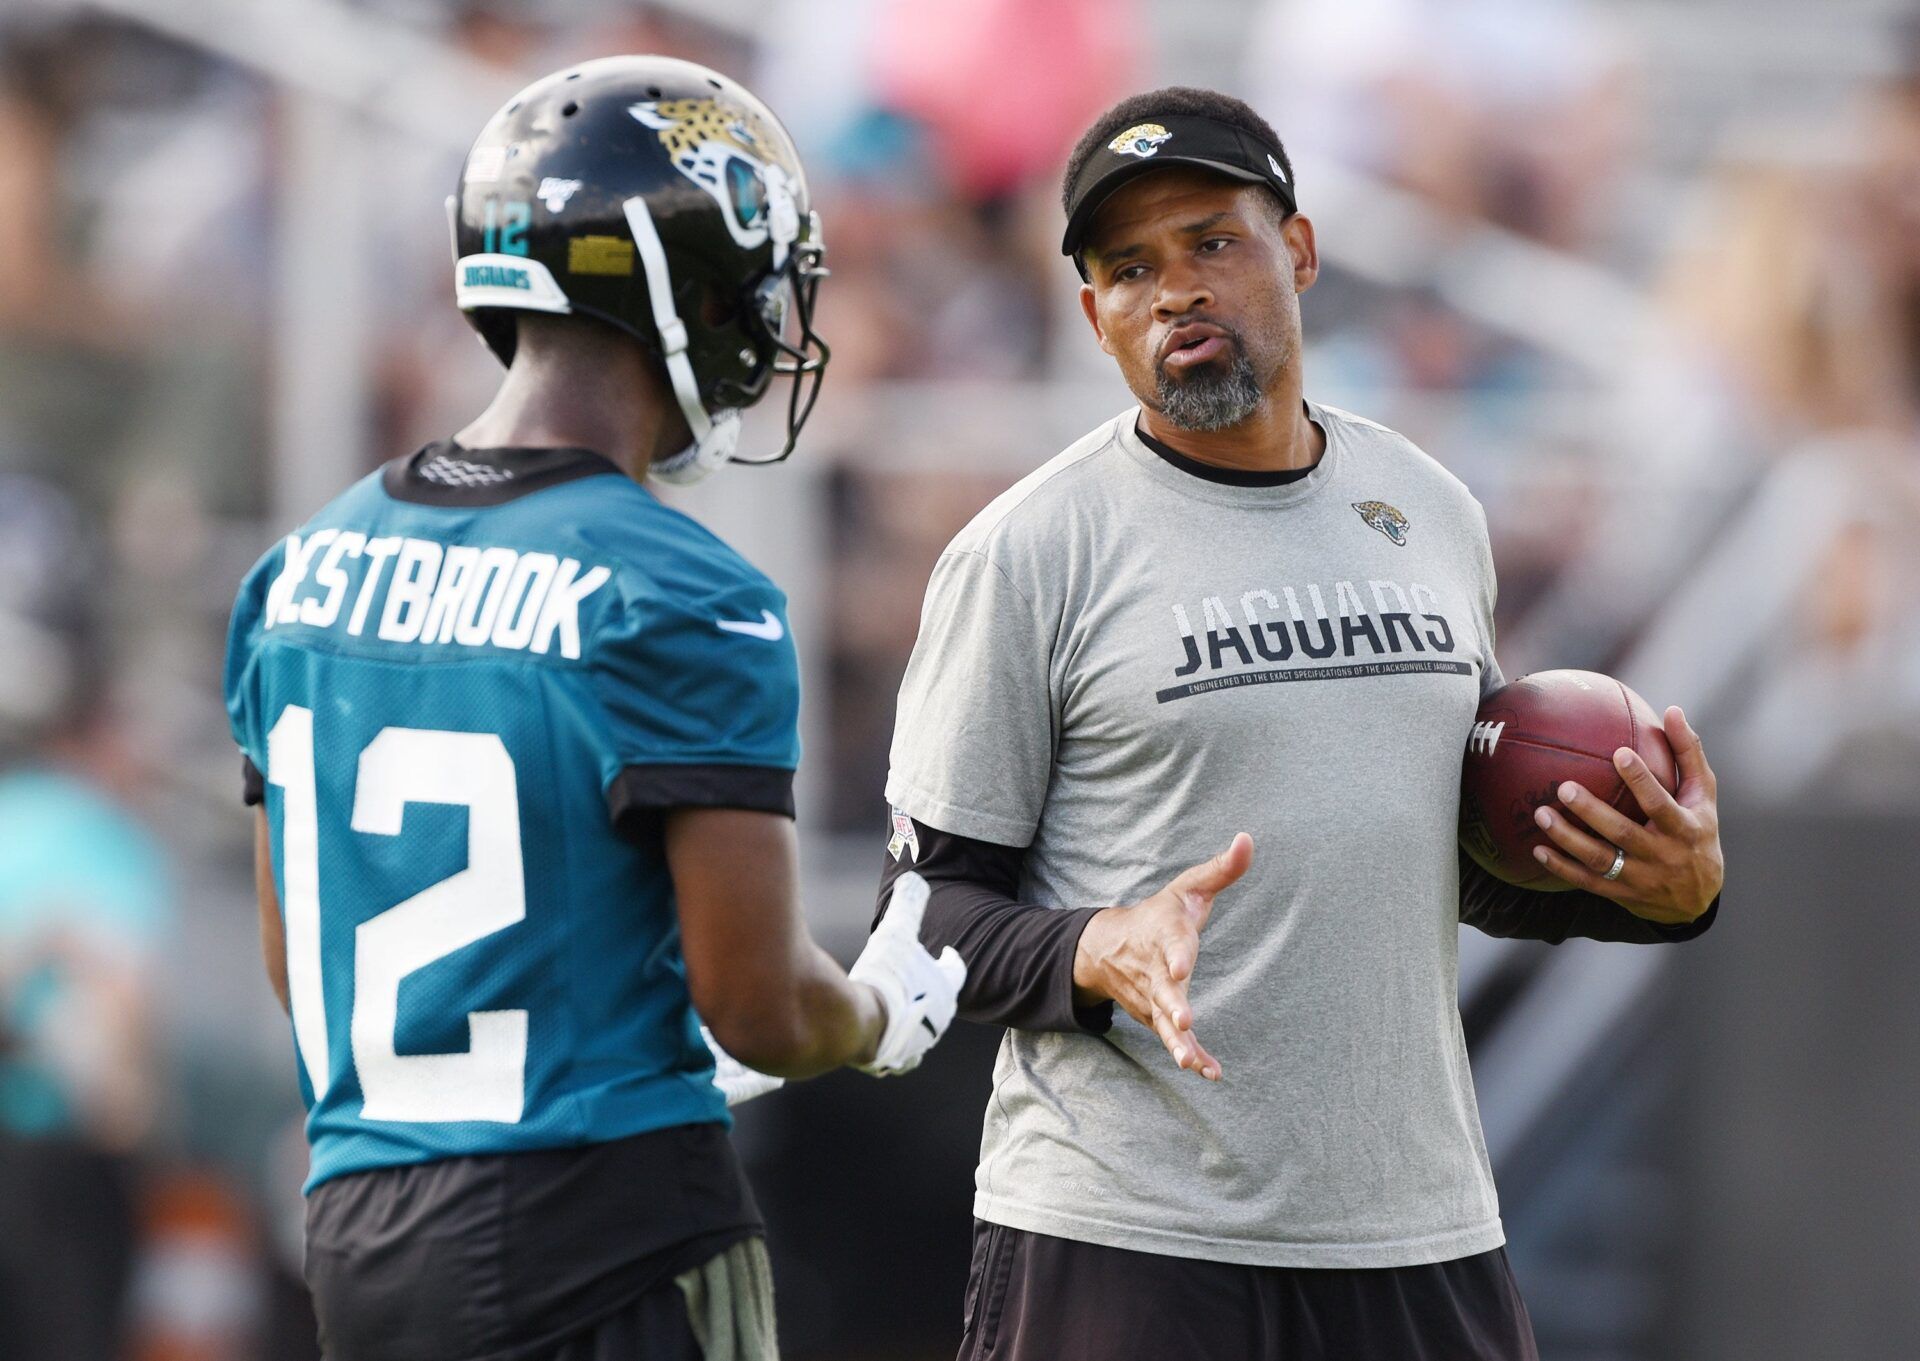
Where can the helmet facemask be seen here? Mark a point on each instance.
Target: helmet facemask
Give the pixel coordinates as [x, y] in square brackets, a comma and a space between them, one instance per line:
[778, 321]
[782, 315]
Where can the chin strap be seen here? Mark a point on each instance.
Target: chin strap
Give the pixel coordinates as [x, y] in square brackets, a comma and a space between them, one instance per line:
[715, 436]
[707, 452]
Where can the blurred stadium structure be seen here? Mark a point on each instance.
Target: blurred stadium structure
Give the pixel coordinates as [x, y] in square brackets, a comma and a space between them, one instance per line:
[1645, 272]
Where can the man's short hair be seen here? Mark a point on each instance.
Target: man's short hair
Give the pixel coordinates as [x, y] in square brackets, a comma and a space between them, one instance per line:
[1174, 99]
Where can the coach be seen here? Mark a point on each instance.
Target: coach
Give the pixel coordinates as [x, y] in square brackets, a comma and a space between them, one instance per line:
[1231, 608]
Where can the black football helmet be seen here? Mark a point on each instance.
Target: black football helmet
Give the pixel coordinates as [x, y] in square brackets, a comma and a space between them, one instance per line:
[662, 198]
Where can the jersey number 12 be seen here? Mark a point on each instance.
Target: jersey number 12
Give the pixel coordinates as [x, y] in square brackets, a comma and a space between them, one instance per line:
[402, 766]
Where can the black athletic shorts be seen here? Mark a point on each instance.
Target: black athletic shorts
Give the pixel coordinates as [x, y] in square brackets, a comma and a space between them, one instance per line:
[653, 1327]
[559, 1255]
[1036, 1298]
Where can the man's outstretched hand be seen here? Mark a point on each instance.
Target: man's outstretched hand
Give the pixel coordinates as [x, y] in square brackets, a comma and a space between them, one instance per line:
[1142, 956]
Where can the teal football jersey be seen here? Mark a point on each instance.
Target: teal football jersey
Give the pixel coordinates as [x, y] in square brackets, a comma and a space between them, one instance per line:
[466, 691]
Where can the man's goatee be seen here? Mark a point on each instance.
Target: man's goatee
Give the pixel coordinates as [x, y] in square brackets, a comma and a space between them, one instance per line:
[1210, 399]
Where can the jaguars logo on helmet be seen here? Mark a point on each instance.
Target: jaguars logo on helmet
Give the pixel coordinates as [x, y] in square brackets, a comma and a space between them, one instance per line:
[697, 177]
[721, 150]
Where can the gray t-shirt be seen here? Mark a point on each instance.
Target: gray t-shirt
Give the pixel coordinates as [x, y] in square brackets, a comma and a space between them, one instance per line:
[1120, 665]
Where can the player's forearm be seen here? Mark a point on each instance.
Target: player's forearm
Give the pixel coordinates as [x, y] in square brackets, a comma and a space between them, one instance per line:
[273, 953]
[775, 1000]
[809, 1024]
[273, 936]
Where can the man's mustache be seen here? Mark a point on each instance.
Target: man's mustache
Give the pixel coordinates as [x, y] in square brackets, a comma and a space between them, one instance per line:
[1227, 333]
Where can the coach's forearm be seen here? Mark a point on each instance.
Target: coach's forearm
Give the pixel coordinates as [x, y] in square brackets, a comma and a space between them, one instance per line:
[1019, 955]
[1502, 909]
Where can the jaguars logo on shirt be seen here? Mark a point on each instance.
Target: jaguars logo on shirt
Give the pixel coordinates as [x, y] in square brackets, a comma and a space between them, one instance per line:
[1383, 517]
[1142, 140]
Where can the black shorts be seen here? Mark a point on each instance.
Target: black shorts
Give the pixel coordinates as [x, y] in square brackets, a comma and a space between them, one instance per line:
[1036, 1298]
[654, 1327]
[558, 1255]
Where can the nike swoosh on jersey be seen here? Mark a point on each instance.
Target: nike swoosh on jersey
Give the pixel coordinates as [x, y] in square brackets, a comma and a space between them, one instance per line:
[768, 626]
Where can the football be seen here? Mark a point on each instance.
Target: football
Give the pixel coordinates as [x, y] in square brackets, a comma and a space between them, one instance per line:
[1531, 735]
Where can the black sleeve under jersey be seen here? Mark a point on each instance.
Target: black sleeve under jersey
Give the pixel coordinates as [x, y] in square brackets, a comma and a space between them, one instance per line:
[1501, 909]
[1019, 955]
[640, 797]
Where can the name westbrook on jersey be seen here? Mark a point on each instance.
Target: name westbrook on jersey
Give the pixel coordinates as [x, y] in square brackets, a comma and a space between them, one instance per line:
[437, 594]
[464, 706]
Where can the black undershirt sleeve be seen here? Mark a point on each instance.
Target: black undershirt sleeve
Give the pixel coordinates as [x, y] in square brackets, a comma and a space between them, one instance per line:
[253, 785]
[1019, 955]
[1501, 909]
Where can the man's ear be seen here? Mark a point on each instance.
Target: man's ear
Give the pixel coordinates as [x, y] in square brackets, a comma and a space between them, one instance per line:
[1297, 231]
[1093, 317]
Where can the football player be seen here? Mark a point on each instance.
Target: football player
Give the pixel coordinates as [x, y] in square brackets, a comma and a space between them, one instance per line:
[522, 742]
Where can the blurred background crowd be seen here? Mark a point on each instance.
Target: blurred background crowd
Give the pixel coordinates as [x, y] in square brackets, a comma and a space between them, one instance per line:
[1646, 273]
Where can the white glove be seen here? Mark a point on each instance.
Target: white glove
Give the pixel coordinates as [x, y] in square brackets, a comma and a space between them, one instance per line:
[919, 992]
[736, 1081]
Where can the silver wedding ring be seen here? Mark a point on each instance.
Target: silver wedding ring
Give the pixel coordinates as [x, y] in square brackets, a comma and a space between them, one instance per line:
[1619, 863]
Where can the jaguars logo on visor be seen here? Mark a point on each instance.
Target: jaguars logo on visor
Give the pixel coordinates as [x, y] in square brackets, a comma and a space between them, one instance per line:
[1142, 140]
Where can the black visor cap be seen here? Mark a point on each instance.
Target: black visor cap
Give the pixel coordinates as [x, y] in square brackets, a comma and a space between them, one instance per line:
[1154, 144]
